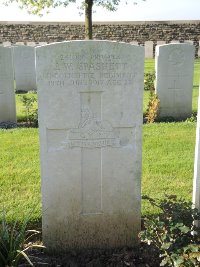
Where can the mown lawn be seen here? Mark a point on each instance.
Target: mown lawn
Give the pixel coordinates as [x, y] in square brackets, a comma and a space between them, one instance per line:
[20, 175]
[168, 159]
[168, 155]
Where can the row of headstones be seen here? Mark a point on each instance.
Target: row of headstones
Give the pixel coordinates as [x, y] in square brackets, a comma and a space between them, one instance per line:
[90, 97]
[17, 72]
[24, 67]
[174, 78]
[148, 45]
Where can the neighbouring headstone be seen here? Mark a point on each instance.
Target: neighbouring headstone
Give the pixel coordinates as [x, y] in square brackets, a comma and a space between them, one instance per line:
[41, 43]
[90, 117]
[175, 42]
[189, 42]
[161, 42]
[134, 43]
[31, 44]
[7, 94]
[19, 43]
[6, 44]
[174, 79]
[148, 49]
[24, 67]
[196, 181]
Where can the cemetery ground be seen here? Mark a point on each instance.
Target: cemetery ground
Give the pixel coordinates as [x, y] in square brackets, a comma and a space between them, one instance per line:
[168, 159]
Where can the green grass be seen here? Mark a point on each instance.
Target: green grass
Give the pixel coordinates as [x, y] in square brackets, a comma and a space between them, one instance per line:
[168, 159]
[168, 155]
[20, 176]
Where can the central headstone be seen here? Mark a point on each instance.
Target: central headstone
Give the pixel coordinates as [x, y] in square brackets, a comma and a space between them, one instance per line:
[90, 117]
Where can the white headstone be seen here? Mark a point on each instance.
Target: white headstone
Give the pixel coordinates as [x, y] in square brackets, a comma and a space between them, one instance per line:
[31, 43]
[19, 43]
[196, 181]
[6, 44]
[175, 42]
[134, 43]
[148, 49]
[7, 94]
[24, 67]
[41, 43]
[174, 79]
[90, 117]
[161, 42]
[189, 42]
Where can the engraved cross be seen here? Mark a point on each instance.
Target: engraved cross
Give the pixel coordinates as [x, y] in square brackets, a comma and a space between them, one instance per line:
[175, 90]
[92, 135]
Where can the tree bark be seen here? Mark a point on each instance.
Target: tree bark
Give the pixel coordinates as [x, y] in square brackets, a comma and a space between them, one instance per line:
[88, 19]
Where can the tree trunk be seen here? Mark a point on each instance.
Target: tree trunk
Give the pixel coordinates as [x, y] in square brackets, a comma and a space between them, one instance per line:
[88, 19]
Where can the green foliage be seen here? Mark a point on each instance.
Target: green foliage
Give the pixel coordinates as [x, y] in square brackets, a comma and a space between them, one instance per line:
[172, 231]
[193, 118]
[153, 103]
[15, 242]
[149, 78]
[153, 107]
[30, 110]
[37, 7]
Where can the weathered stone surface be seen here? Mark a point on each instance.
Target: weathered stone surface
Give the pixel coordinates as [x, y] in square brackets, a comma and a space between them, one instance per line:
[7, 94]
[90, 117]
[24, 67]
[174, 79]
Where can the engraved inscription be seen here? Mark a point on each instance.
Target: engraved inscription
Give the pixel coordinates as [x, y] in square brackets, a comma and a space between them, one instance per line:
[89, 69]
[92, 132]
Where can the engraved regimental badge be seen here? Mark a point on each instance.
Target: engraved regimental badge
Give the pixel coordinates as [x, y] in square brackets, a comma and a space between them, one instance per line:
[92, 132]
